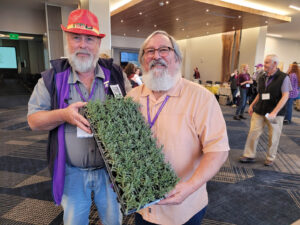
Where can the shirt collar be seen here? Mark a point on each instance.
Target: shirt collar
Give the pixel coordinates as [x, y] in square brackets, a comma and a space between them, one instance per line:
[173, 92]
[73, 78]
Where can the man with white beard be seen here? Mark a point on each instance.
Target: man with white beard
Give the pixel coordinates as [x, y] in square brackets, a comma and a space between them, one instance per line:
[75, 163]
[186, 119]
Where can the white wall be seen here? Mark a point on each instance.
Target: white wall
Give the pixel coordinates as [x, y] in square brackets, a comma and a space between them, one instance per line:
[126, 42]
[204, 53]
[28, 21]
[288, 51]
[252, 45]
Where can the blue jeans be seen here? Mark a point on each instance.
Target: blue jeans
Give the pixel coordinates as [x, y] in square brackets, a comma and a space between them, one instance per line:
[76, 200]
[289, 109]
[243, 101]
[195, 220]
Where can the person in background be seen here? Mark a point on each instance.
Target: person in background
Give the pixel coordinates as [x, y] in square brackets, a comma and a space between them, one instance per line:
[126, 81]
[244, 82]
[196, 73]
[233, 86]
[293, 73]
[187, 120]
[268, 108]
[255, 77]
[75, 163]
[130, 71]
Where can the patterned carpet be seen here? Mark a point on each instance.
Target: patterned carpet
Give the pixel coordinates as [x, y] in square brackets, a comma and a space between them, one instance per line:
[241, 194]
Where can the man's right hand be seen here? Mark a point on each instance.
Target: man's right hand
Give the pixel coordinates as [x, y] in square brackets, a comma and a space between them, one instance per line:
[250, 110]
[72, 116]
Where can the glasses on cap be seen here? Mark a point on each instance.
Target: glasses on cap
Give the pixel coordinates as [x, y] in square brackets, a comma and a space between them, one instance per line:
[162, 51]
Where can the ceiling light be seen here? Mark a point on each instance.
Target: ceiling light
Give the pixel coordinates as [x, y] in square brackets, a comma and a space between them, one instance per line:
[138, 30]
[294, 7]
[207, 24]
[124, 34]
[207, 10]
[233, 28]
[274, 35]
[266, 22]
[155, 25]
[256, 6]
[140, 13]
[177, 19]
[161, 4]
[239, 16]
[182, 29]
[167, 2]
[122, 21]
[207, 32]
[119, 4]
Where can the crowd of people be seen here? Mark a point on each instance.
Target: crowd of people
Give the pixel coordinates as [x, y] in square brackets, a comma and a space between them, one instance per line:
[194, 137]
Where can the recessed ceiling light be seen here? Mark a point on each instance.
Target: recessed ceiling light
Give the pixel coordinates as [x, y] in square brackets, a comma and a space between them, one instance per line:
[233, 28]
[124, 34]
[239, 16]
[122, 21]
[155, 25]
[167, 2]
[182, 29]
[207, 10]
[161, 3]
[140, 13]
[266, 22]
[177, 19]
[138, 30]
[207, 24]
[256, 6]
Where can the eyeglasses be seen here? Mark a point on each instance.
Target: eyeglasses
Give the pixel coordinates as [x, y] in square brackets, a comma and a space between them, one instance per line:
[162, 51]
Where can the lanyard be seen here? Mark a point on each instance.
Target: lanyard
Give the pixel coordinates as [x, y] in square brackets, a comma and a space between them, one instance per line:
[269, 81]
[151, 123]
[81, 95]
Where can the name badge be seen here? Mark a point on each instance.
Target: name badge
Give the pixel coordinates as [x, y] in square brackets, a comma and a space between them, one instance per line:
[265, 96]
[82, 134]
[116, 91]
[247, 85]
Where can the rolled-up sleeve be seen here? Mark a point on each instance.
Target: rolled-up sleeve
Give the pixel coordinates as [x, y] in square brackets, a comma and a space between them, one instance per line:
[39, 99]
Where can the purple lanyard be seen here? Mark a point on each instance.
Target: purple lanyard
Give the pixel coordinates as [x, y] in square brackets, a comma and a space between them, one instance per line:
[81, 95]
[269, 81]
[151, 123]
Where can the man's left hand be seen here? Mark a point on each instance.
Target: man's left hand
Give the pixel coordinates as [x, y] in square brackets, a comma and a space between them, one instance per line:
[178, 194]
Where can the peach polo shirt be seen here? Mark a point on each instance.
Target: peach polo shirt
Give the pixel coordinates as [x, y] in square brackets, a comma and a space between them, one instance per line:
[190, 124]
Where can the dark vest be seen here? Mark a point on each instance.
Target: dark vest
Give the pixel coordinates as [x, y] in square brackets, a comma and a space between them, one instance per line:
[55, 81]
[274, 88]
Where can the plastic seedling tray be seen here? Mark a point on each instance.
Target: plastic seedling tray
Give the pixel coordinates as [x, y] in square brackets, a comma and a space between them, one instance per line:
[117, 185]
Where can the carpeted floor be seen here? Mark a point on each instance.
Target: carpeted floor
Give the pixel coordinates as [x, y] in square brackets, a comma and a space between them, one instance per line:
[241, 194]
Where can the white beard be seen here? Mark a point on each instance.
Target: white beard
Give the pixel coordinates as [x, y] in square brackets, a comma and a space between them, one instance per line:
[82, 65]
[159, 79]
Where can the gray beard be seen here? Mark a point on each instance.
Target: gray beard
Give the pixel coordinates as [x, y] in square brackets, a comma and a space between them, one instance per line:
[160, 80]
[82, 65]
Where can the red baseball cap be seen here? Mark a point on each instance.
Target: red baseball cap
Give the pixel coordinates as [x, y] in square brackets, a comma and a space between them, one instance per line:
[82, 21]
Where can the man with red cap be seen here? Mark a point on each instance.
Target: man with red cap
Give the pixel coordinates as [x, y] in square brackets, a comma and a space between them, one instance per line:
[75, 163]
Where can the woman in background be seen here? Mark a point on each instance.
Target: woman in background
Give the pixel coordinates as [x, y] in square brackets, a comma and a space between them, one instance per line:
[233, 86]
[293, 73]
[244, 82]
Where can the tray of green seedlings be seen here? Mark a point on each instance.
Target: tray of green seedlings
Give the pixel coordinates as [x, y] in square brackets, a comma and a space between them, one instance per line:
[136, 166]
